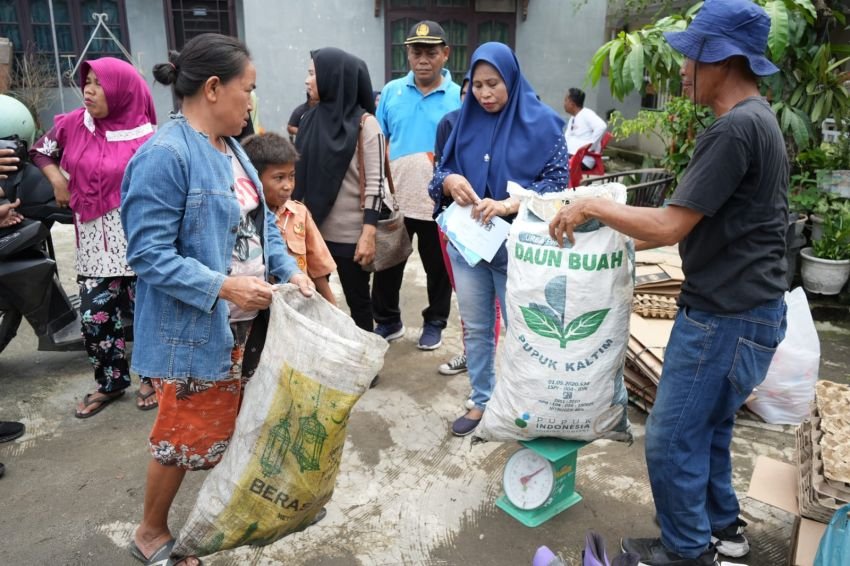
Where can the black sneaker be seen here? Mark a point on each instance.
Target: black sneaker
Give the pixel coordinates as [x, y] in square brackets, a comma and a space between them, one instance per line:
[653, 553]
[731, 541]
[454, 366]
[10, 430]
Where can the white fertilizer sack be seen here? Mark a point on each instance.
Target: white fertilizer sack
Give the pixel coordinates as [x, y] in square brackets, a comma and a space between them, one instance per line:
[560, 367]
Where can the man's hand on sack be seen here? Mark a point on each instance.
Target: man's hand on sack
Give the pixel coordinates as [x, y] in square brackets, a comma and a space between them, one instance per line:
[648, 227]
[567, 219]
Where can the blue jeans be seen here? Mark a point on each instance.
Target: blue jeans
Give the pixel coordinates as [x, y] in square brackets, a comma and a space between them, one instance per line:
[711, 365]
[477, 288]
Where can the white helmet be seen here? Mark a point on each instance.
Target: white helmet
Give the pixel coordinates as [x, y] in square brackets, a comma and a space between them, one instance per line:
[15, 118]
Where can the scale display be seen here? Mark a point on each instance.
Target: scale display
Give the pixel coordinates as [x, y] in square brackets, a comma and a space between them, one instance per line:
[528, 479]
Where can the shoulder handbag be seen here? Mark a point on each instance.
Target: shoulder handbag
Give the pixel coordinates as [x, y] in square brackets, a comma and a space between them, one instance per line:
[392, 243]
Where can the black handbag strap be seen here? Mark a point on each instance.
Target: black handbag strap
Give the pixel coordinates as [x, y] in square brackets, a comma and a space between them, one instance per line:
[361, 168]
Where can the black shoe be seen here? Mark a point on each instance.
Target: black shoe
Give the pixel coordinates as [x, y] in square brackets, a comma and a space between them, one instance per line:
[731, 541]
[653, 553]
[10, 430]
[374, 382]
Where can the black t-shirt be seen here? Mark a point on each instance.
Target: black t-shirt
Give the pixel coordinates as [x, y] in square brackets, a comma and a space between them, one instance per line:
[734, 258]
[300, 110]
[444, 130]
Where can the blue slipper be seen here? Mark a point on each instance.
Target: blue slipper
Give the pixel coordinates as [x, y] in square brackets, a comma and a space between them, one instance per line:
[464, 426]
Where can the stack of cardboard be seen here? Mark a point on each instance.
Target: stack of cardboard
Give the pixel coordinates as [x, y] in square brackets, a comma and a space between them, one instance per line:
[648, 339]
[823, 453]
[658, 281]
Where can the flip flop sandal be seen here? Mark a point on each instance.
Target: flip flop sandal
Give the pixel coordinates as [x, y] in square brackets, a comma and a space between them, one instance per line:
[106, 400]
[144, 397]
[162, 556]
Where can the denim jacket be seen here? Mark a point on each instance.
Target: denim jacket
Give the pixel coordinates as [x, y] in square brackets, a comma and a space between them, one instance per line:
[181, 215]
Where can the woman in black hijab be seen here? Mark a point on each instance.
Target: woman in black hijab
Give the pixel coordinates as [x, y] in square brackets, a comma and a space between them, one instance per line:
[328, 175]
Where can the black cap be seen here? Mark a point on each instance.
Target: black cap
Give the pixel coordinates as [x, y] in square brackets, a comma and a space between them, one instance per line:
[427, 32]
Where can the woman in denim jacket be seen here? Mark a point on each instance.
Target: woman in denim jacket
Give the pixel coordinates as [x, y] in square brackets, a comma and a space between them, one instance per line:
[204, 246]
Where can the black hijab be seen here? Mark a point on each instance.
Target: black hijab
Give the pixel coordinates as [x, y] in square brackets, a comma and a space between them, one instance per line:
[327, 136]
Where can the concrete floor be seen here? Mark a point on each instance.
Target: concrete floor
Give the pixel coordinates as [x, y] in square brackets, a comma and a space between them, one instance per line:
[408, 492]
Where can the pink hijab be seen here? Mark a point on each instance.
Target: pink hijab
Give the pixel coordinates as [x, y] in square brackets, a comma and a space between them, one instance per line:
[95, 151]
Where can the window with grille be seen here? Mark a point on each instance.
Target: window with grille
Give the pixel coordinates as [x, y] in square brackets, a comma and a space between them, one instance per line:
[190, 18]
[27, 24]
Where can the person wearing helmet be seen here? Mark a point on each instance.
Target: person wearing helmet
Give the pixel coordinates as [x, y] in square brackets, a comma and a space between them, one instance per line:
[15, 120]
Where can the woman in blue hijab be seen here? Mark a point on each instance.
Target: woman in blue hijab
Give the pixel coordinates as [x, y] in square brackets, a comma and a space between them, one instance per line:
[504, 133]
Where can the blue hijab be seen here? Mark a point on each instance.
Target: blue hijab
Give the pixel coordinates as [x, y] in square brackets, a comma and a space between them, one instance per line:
[511, 145]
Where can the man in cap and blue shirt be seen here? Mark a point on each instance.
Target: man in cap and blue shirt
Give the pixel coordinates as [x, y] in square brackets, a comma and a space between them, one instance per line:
[729, 216]
[410, 109]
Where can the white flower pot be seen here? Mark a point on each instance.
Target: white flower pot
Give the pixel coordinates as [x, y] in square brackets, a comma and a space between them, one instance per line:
[824, 276]
[798, 221]
[817, 227]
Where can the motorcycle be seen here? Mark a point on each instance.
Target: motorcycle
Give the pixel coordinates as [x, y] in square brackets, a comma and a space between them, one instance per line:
[29, 278]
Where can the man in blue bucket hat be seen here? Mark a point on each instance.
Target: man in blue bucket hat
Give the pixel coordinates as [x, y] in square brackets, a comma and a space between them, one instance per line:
[728, 215]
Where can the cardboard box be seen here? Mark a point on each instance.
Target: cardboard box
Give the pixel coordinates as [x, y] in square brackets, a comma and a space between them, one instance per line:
[775, 483]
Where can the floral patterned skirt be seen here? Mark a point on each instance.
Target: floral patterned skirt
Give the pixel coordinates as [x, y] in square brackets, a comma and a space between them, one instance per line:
[196, 418]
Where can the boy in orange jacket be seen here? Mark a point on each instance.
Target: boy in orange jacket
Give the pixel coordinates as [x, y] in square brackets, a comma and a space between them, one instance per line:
[274, 157]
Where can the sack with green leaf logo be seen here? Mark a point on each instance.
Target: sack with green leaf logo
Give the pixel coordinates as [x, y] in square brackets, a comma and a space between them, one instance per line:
[560, 367]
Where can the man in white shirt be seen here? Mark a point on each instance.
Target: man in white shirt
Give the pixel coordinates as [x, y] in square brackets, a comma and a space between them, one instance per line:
[583, 128]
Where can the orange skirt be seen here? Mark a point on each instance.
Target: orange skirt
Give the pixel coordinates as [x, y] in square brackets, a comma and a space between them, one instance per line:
[196, 418]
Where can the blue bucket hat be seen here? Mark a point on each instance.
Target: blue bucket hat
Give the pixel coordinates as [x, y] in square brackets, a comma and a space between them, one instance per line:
[723, 29]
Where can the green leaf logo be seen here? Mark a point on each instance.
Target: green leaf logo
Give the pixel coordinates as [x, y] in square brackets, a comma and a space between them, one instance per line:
[585, 325]
[541, 323]
[546, 321]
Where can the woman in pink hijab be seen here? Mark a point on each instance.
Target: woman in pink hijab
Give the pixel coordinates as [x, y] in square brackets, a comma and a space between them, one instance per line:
[84, 156]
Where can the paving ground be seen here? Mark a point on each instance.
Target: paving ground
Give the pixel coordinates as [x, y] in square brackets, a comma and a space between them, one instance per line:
[408, 492]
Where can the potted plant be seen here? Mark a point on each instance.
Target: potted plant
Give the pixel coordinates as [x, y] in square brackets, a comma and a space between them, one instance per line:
[834, 176]
[826, 265]
[806, 195]
[803, 197]
[829, 205]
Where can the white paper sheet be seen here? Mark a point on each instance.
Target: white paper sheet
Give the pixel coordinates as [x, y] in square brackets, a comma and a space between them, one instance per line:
[474, 240]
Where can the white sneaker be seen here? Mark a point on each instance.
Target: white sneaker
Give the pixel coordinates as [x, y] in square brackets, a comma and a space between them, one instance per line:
[454, 366]
[731, 541]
